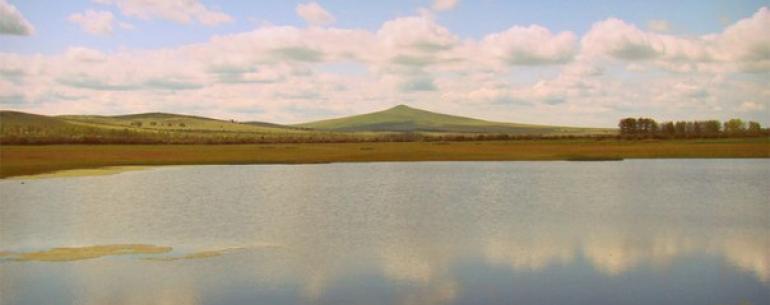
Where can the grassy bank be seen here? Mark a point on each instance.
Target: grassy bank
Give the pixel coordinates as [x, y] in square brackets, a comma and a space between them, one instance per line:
[29, 160]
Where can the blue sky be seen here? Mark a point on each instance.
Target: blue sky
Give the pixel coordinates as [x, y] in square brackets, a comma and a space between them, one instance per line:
[583, 63]
[471, 20]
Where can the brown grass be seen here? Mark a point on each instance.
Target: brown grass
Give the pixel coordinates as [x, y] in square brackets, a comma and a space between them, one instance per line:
[81, 253]
[196, 255]
[28, 160]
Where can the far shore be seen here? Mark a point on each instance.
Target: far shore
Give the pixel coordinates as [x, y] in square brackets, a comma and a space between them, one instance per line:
[45, 161]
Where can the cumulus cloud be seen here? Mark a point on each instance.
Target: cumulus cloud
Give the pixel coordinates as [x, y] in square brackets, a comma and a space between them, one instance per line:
[543, 75]
[533, 45]
[444, 5]
[747, 42]
[744, 45]
[419, 33]
[314, 14]
[180, 11]
[621, 40]
[12, 22]
[94, 22]
[408, 50]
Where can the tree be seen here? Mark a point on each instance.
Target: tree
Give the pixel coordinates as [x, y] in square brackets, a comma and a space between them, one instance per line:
[681, 128]
[689, 129]
[653, 127]
[754, 128]
[668, 129]
[735, 127]
[711, 127]
[697, 128]
[646, 126]
[628, 126]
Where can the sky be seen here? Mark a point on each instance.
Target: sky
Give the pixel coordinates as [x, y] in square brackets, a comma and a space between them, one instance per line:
[576, 63]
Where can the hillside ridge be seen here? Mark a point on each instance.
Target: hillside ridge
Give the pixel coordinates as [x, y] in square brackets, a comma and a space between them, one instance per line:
[404, 118]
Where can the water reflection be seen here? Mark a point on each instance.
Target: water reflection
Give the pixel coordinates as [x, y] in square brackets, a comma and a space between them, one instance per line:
[391, 233]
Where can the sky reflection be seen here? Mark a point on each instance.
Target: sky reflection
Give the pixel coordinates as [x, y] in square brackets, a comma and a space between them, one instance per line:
[428, 233]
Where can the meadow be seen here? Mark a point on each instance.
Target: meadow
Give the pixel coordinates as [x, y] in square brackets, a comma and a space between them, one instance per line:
[400, 123]
[17, 160]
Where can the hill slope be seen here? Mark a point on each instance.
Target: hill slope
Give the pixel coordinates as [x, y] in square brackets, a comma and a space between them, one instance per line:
[147, 128]
[165, 128]
[16, 120]
[170, 121]
[403, 118]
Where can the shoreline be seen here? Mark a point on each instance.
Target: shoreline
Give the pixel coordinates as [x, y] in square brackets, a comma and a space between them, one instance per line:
[114, 170]
[50, 161]
[81, 172]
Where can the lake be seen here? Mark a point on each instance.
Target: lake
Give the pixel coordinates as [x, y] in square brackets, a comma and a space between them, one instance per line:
[630, 232]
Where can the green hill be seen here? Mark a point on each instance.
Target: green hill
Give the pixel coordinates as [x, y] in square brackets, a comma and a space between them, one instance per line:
[20, 120]
[395, 124]
[148, 128]
[174, 122]
[403, 118]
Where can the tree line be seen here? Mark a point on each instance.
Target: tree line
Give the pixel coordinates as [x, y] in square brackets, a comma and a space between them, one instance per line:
[649, 128]
[630, 128]
[31, 135]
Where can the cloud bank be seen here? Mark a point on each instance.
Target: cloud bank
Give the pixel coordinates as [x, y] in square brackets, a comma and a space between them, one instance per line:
[526, 73]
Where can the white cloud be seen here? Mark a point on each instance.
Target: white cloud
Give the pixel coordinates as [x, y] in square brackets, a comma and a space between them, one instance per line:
[83, 54]
[416, 33]
[744, 46]
[658, 25]
[12, 22]
[314, 14]
[94, 22]
[525, 73]
[621, 40]
[533, 45]
[180, 11]
[444, 5]
[747, 42]
[750, 106]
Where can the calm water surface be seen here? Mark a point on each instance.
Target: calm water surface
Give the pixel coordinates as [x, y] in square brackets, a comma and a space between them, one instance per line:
[631, 232]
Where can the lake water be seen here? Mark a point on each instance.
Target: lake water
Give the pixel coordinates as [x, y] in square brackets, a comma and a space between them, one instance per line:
[630, 232]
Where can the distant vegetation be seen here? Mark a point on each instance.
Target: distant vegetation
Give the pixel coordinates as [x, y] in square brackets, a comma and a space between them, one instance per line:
[649, 128]
[151, 128]
[398, 124]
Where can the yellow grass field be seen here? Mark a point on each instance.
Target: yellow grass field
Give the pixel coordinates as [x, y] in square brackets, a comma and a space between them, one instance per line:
[30, 160]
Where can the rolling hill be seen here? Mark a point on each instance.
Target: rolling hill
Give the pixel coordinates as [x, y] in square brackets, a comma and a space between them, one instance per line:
[174, 122]
[146, 128]
[403, 118]
[397, 123]
[17, 120]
